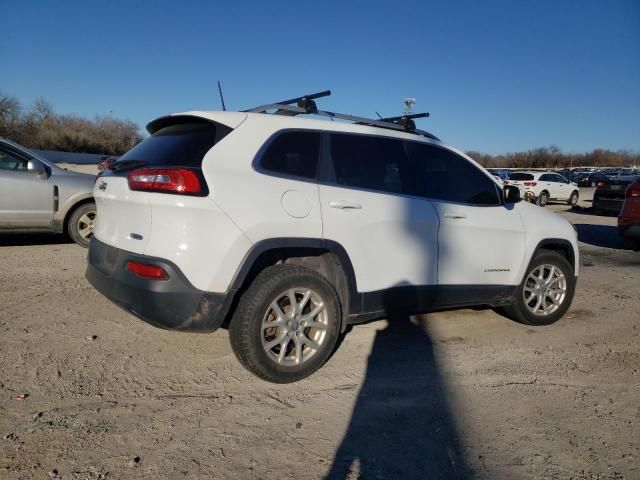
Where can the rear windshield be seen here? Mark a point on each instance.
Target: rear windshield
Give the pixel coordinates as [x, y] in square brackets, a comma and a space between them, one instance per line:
[181, 145]
[520, 176]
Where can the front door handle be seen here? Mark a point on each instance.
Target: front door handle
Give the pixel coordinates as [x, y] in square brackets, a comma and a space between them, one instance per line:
[344, 205]
[455, 216]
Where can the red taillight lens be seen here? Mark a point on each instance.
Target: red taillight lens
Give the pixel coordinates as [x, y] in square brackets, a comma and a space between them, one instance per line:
[633, 192]
[530, 184]
[166, 180]
[146, 270]
[600, 184]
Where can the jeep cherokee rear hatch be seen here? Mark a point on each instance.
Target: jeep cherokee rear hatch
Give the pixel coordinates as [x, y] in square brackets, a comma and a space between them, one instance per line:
[168, 163]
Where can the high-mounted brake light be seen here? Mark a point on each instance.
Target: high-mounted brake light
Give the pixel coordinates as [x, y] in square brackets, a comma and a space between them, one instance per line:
[146, 270]
[165, 180]
[530, 184]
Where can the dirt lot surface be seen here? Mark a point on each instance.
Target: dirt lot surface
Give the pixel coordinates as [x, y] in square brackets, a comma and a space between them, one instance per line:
[88, 391]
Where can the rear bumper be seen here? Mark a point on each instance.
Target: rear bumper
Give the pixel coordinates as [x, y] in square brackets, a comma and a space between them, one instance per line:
[608, 203]
[171, 304]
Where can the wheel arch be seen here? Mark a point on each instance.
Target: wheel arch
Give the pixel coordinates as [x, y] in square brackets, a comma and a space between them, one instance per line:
[558, 245]
[327, 257]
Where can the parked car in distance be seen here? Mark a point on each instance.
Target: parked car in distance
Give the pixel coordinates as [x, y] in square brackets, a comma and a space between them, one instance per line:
[629, 218]
[38, 196]
[545, 186]
[499, 173]
[591, 179]
[290, 229]
[610, 195]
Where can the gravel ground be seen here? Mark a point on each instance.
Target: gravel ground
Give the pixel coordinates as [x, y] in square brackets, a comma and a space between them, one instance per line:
[89, 392]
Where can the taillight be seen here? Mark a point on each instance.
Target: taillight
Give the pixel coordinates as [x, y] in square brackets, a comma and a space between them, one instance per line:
[166, 180]
[600, 184]
[632, 192]
[530, 184]
[146, 270]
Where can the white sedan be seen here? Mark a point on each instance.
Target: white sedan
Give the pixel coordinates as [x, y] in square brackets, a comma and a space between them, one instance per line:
[545, 186]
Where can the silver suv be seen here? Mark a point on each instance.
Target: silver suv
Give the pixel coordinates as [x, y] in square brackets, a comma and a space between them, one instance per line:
[37, 196]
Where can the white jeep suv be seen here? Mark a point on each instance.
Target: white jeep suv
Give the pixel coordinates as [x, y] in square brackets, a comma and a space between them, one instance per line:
[290, 229]
[545, 186]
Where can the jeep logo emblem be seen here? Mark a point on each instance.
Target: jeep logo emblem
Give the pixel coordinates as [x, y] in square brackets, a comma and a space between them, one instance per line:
[103, 186]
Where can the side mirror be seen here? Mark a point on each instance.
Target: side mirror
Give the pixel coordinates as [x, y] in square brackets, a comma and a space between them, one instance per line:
[512, 194]
[37, 167]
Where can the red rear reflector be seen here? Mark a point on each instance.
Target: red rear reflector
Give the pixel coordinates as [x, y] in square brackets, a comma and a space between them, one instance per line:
[146, 270]
[166, 180]
[530, 184]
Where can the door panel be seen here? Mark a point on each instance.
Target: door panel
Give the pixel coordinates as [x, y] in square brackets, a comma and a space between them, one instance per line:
[26, 200]
[479, 245]
[391, 239]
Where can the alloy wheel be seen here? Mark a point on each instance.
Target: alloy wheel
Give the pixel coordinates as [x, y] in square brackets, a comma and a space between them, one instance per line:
[294, 327]
[544, 290]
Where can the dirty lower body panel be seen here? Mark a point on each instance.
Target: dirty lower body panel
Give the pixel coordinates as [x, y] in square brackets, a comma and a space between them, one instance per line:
[170, 303]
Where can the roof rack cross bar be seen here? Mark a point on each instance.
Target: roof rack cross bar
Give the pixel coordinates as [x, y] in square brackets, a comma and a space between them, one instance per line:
[306, 105]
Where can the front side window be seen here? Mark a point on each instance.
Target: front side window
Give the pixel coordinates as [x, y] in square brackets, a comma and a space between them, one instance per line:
[443, 175]
[9, 160]
[293, 153]
[371, 163]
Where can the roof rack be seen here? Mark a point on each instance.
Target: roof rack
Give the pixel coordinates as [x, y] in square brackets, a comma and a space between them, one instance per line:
[306, 105]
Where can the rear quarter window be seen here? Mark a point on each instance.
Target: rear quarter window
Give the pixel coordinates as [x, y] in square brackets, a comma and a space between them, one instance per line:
[293, 153]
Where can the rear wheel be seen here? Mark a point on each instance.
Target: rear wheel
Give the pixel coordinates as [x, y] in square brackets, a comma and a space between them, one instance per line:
[543, 199]
[573, 199]
[81, 223]
[287, 324]
[546, 292]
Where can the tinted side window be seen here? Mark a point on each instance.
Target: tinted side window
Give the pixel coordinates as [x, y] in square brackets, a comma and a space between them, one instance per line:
[372, 163]
[293, 153]
[520, 176]
[546, 178]
[10, 160]
[443, 175]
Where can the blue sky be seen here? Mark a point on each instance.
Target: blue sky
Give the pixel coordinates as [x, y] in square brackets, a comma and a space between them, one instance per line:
[497, 76]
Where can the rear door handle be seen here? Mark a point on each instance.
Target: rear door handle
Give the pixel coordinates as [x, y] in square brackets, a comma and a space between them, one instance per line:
[344, 205]
[455, 216]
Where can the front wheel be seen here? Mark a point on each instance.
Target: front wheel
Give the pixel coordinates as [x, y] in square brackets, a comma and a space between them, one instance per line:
[287, 324]
[546, 292]
[81, 223]
[573, 199]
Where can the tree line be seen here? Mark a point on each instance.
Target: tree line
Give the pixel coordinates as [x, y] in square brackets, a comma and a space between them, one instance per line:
[552, 157]
[40, 127]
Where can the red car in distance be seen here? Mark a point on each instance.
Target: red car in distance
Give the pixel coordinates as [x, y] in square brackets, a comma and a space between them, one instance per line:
[629, 218]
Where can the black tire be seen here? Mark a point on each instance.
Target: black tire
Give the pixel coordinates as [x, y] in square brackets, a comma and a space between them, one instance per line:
[632, 244]
[518, 310]
[573, 199]
[246, 332]
[543, 199]
[77, 224]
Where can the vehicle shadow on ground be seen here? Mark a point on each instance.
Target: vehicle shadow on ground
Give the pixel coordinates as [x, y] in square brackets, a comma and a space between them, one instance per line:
[401, 426]
[26, 239]
[600, 235]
